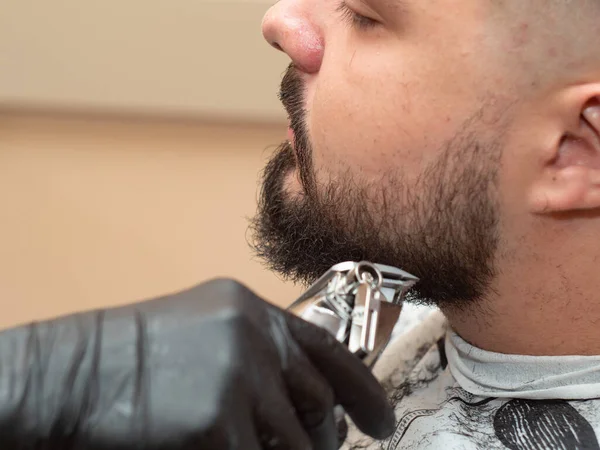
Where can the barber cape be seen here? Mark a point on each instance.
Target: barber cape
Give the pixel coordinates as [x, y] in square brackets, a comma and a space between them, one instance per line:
[449, 395]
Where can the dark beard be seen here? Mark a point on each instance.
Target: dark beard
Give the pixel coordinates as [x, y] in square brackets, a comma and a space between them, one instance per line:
[444, 229]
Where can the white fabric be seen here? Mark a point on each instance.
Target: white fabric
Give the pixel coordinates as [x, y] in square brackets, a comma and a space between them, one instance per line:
[481, 400]
[496, 375]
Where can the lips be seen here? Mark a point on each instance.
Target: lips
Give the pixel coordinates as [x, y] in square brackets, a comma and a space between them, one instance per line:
[291, 136]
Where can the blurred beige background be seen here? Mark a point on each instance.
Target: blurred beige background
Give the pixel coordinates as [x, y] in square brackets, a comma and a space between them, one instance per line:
[132, 135]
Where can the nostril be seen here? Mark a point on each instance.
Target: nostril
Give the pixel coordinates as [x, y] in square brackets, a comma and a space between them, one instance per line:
[276, 46]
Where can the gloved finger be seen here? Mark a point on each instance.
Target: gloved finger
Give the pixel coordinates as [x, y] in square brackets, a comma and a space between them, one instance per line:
[278, 426]
[354, 385]
[246, 436]
[234, 428]
[340, 421]
[308, 390]
[313, 400]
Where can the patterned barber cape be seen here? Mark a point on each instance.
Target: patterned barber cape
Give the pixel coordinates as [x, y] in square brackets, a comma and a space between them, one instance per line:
[450, 395]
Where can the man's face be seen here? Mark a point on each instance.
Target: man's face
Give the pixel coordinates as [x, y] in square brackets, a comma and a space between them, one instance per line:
[398, 135]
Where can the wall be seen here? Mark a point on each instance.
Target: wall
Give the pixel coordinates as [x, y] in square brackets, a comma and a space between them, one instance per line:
[199, 57]
[131, 138]
[103, 210]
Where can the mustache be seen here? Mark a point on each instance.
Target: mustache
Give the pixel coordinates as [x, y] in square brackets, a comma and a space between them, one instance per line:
[292, 96]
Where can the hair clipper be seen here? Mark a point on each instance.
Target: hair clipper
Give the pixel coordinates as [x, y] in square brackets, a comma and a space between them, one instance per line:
[359, 303]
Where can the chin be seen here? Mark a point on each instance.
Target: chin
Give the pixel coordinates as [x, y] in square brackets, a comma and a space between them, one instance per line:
[292, 185]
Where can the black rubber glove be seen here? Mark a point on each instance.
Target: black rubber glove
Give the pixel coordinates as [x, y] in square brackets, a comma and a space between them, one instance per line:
[214, 367]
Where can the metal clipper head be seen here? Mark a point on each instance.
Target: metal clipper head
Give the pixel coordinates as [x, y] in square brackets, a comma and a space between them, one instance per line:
[359, 303]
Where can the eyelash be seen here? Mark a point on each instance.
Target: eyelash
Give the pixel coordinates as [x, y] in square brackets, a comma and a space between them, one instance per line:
[355, 19]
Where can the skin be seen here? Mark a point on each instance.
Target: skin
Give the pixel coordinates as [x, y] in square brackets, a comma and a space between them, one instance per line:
[389, 98]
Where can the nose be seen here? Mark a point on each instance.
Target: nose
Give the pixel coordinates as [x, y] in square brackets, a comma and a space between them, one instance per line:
[288, 26]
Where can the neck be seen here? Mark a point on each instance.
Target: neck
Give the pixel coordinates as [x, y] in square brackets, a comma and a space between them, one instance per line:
[552, 310]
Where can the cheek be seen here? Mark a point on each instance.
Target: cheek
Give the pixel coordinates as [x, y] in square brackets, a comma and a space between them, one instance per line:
[361, 124]
[370, 124]
[369, 111]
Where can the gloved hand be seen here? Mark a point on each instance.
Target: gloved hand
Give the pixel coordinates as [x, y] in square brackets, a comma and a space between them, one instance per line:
[214, 367]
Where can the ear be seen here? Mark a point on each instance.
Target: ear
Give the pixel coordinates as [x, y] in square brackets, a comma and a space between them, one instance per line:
[570, 176]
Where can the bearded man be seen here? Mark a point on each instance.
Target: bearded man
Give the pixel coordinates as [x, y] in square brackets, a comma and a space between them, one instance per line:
[458, 140]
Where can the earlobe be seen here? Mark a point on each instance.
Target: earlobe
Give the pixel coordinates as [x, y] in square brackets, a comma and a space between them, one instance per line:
[570, 181]
[568, 189]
